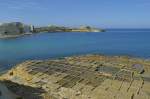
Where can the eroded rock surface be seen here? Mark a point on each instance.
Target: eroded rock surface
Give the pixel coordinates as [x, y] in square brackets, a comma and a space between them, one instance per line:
[82, 77]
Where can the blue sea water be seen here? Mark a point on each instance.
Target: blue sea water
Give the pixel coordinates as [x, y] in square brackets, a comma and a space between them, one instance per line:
[53, 45]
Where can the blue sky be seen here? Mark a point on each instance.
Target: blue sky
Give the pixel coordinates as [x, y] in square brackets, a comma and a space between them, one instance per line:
[100, 13]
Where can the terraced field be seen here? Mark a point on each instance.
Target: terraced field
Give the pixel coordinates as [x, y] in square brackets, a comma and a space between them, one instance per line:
[81, 77]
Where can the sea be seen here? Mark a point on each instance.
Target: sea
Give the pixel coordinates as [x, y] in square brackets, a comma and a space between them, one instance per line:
[128, 42]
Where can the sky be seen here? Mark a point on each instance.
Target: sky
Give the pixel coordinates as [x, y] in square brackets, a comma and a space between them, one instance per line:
[99, 13]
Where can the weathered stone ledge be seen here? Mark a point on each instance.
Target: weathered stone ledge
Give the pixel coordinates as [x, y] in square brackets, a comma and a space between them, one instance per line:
[82, 77]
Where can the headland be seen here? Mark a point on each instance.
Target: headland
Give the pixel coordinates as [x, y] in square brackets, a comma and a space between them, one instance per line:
[17, 29]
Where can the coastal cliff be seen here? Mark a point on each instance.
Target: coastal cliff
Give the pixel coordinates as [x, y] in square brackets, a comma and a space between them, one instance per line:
[80, 77]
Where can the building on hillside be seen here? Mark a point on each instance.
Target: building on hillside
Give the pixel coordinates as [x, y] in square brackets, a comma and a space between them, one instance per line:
[14, 28]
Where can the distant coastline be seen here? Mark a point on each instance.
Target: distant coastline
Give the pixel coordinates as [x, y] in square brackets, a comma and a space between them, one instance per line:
[17, 29]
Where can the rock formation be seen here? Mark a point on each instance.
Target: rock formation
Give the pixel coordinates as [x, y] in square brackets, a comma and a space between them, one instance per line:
[80, 77]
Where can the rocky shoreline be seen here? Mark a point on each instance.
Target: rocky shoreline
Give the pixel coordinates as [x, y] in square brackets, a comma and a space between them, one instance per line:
[14, 36]
[80, 77]
[11, 36]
